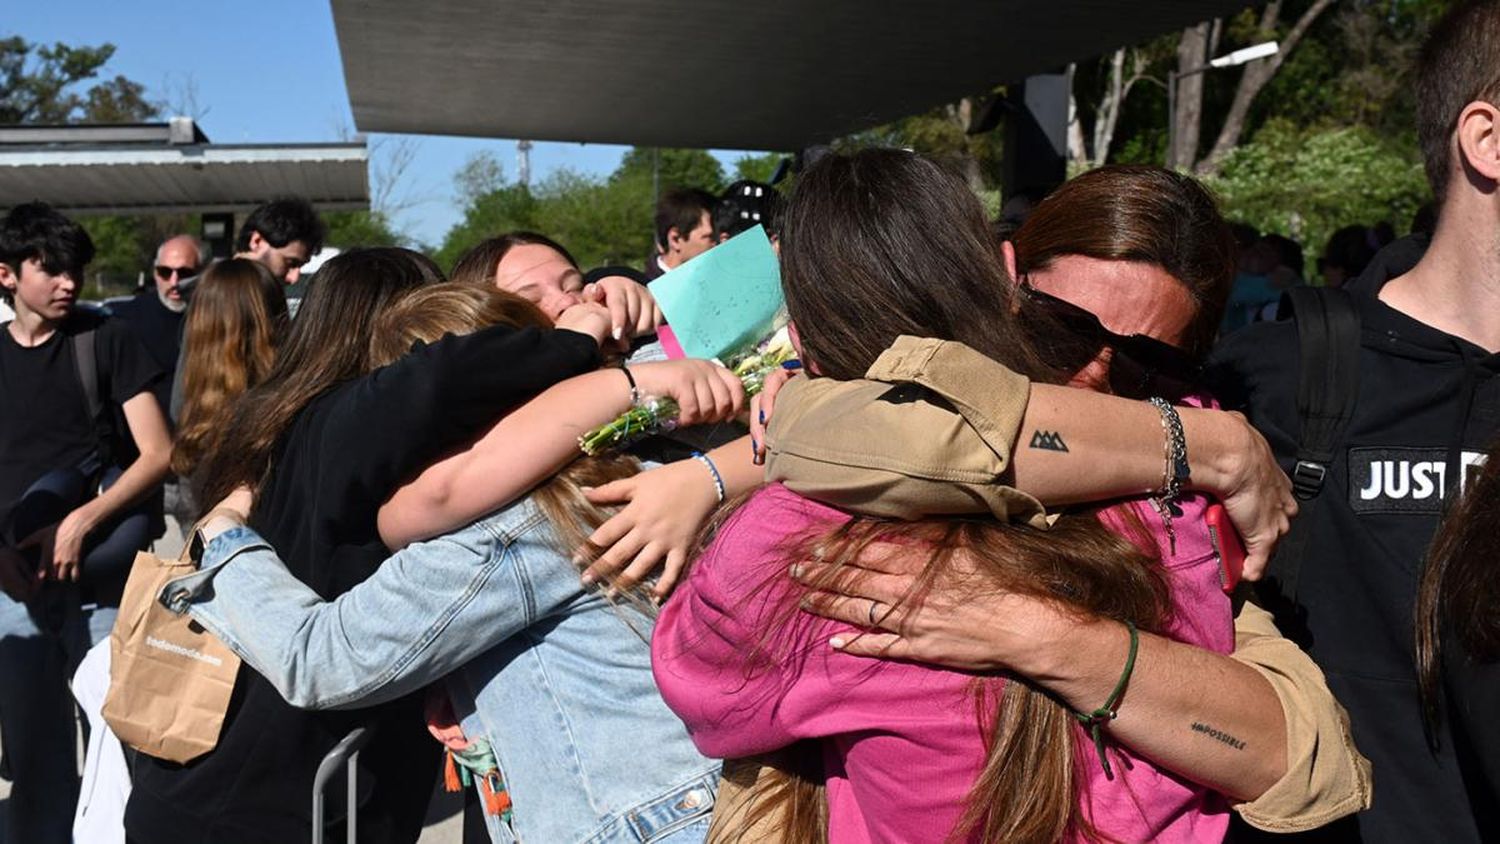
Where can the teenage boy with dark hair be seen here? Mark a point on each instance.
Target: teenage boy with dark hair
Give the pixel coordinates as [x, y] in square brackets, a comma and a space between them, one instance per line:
[282, 234]
[1412, 348]
[75, 407]
[684, 229]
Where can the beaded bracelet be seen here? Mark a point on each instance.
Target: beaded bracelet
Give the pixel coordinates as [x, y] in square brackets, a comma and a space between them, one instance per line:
[712, 470]
[1096, 720]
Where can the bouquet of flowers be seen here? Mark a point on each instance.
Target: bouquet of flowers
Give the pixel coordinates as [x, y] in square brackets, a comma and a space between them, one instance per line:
[656, 415]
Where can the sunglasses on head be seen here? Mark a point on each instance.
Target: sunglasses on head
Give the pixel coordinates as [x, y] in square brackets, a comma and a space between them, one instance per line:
[180, 272]
[1140, 366]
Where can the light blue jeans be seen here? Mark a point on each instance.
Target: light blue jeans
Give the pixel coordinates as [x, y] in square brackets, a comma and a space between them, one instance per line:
[41, 643]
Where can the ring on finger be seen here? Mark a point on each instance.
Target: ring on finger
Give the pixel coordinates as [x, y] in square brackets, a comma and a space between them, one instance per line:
[874, 606]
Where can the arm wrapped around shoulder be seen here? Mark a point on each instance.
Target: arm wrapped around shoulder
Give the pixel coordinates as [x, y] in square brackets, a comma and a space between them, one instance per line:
[928, 432]
[1326, 777]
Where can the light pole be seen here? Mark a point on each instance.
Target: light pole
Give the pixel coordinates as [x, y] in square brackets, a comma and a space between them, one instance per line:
[1235, 59]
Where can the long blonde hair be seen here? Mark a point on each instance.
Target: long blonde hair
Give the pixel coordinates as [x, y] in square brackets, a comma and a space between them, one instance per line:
[235, 324]
[459, 307]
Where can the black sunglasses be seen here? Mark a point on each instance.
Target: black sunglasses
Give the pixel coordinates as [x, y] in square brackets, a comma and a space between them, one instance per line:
[181, 272]
[1141, 366]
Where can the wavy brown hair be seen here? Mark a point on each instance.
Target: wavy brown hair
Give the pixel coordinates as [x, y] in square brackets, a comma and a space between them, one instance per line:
[329, 344]
[877, 244]
[1459, 591]
[462, 307]
[235, 324]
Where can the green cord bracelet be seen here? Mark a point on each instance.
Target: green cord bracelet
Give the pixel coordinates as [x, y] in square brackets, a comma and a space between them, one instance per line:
[1096, 720]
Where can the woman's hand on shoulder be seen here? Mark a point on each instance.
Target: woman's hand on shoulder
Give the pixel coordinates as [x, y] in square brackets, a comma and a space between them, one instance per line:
[960, 621]
[703, 390]
[764, 402]
[663, 510]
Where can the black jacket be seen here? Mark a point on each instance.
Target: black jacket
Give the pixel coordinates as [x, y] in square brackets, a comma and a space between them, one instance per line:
[344, 454]
[1428, 406]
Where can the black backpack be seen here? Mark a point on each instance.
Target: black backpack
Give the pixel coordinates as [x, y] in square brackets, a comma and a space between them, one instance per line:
[1328, 332]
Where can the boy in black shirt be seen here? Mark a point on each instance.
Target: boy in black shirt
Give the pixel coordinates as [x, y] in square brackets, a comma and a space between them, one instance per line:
[76, 412]
[1427, 404]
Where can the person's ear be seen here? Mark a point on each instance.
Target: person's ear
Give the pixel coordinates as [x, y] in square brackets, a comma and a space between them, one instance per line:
[1008, 255]
[1478, 139]
[257, 243]
[675, 239]
[8, 278]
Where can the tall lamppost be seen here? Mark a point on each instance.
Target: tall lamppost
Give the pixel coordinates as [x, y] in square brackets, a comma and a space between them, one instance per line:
[1235, 59]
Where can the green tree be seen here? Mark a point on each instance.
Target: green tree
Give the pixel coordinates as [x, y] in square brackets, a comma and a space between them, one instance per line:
[42, 84]
[679, 168]
[348, 229]
[758, 168]
[1307, 183]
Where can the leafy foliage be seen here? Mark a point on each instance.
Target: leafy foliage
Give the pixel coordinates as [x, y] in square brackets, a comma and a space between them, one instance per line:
[1307, 183]
[679, 168]
[600, 220]
[347, 229]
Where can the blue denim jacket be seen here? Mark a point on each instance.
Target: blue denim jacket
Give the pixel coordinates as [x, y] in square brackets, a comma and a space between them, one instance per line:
[556, 678]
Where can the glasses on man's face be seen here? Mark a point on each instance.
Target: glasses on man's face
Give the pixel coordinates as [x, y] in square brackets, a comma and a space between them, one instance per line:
[1140, 367]
[165, 273]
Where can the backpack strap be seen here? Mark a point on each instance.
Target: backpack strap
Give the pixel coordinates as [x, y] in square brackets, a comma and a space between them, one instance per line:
[1328, 333]
[87, 366]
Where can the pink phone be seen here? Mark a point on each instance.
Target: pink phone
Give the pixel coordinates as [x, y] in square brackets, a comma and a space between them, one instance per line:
[1228, 546]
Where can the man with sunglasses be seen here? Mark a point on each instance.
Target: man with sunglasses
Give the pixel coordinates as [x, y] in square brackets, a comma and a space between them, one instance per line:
[156, 313]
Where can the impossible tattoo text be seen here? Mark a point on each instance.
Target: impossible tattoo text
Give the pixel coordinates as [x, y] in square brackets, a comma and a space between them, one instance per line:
[1218, 735]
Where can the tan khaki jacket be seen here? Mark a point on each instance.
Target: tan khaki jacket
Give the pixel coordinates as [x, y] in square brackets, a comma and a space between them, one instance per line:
[930, 432]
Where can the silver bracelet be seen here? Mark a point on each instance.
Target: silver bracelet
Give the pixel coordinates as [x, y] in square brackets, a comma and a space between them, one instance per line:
[1177, 469]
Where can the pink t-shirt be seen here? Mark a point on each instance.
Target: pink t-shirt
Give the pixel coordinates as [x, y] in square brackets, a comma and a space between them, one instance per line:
[901, 742]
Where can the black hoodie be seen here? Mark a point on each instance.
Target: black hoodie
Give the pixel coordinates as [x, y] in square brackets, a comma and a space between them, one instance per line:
[1428, 407]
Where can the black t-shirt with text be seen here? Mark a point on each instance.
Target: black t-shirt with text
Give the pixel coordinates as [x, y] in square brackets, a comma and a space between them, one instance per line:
[44, 419]
[1428, 407]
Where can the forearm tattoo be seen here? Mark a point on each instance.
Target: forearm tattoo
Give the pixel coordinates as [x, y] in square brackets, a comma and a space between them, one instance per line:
[1218, 735]
[1048, 441]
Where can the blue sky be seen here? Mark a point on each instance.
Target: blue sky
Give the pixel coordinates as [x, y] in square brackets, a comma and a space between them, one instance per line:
[269, 71]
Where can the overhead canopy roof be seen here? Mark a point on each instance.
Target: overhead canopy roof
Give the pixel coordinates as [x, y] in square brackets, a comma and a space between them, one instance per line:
[171, 168]
[765, 74]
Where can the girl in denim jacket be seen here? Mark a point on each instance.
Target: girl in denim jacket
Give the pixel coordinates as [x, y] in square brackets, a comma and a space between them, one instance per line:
[549, 680]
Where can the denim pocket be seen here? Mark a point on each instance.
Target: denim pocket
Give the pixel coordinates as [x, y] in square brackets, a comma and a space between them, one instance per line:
[675, 811]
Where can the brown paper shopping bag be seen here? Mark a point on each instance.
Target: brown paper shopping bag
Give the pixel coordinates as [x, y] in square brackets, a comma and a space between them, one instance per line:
[170, 680]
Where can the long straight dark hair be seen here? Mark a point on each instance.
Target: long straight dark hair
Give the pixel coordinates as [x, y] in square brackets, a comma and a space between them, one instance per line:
[329, 344]
[878, 244]
[1459, 593]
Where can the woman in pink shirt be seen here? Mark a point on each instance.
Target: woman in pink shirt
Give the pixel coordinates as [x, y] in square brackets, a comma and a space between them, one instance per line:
[877, 245]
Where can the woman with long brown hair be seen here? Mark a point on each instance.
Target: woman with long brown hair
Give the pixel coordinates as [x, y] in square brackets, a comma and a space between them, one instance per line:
[322, 442]
[236, 323]
[1458, 638]
[877, 245]
[1133, 262]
